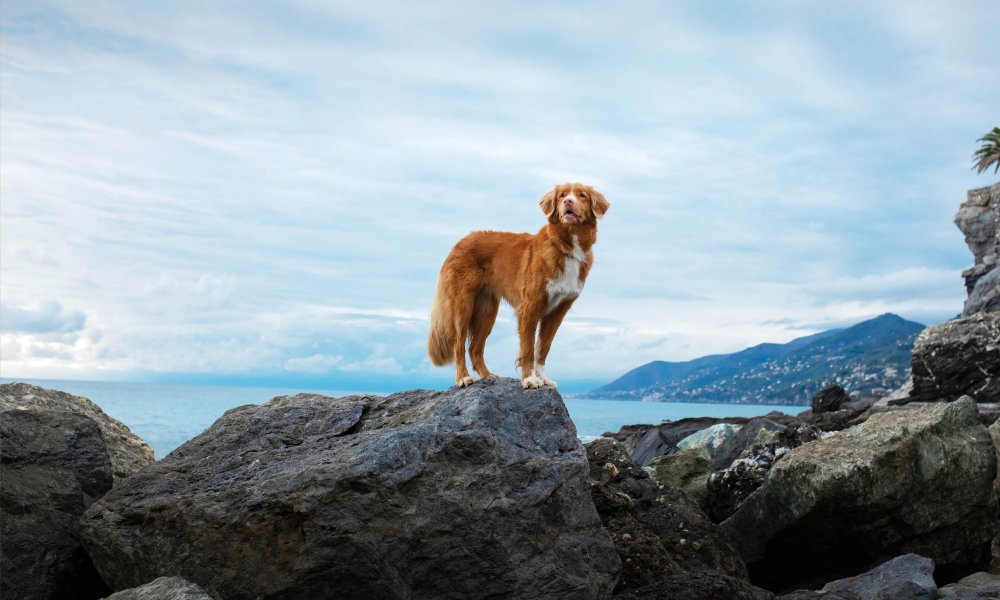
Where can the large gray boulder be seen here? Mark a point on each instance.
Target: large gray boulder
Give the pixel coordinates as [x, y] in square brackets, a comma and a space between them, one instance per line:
[907, 577]
[54, 466]
[128, 452]
[477, 492]
[917, 481]
[960, 357]
[163, 588]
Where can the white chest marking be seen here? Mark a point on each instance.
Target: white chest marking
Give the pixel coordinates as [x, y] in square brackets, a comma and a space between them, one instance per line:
[567, 284]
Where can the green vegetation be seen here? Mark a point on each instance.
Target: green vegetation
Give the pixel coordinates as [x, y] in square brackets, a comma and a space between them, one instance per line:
[989, 154]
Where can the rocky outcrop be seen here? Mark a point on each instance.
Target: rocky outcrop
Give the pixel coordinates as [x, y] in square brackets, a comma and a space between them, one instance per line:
[907, 577]
[978, 585]
[662, 439]
[907, 481]
[728, 487]
[829, 399]
[657, 530]
[476, 492]
[54, 466]
[163, 588]
[979, 220]
[688, 470]
[128, 452]
[960, 357]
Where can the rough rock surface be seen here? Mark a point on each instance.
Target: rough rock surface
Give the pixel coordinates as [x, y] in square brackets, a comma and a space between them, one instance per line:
[829, 399]
[907, 577]
[979, 220]
[662, 439]
[688, 470]
[54, 466]
[128, 452]
[907, 481]
[711, 438]
[699, 585]
[163, 588]
[657, 530]
[728, 488]
[985, 296]
[475, 492]
[977, 585]
[960, 357]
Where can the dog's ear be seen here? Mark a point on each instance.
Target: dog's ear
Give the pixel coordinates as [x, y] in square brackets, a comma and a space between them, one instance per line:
[600, 204]
[548, 204]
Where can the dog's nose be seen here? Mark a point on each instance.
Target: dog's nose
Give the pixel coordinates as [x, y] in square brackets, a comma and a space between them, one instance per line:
[567, 201]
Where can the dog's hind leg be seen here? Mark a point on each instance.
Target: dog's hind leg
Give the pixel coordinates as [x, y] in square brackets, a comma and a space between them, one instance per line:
[467, 283]
[484, 315]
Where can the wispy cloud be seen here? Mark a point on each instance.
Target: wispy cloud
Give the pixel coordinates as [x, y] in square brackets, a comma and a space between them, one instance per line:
[271, 188]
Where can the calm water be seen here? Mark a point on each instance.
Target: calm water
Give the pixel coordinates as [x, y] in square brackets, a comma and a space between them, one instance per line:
[167, 415]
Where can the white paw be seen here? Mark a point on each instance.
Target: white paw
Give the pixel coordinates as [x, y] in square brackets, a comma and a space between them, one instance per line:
[540, 373]
[463, 381]
[532, 382]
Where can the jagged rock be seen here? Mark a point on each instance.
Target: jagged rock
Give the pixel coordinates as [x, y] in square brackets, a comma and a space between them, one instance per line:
[629, 435]
[985, 295]
[978, 585]
[700, 585]
[657, 530]
[979, 220]
[762, 430]
[662, 439]
[907, 577]
[688, 470]
[474, 492]
[163, 588]
[905, 481]
[128, 452]
[711, 438]
[960, 357]
[829, 399]
[728, 488]
[55, 464]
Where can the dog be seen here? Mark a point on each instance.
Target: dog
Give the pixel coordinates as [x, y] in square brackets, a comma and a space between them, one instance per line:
[540, 275]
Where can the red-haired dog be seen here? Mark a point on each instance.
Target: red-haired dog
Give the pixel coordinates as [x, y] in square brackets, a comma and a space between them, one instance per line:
[539, 275]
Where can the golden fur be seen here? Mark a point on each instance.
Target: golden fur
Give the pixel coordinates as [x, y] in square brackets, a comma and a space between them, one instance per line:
[540, 275]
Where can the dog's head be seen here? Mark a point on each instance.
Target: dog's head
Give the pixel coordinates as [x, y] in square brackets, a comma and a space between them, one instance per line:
[574, 204]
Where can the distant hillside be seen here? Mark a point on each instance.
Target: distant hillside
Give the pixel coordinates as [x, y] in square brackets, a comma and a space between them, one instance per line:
[872, 357]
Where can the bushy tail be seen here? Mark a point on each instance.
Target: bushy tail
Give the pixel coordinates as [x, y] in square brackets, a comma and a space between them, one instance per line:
[440, 341]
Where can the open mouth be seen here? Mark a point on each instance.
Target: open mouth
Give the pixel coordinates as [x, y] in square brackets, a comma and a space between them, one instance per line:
[570, 217]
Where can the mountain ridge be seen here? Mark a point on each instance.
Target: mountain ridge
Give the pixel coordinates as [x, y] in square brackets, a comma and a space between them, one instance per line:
[867, 358]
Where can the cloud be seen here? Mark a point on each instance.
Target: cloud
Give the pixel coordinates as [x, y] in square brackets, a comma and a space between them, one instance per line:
[46, 318]
[241, 189]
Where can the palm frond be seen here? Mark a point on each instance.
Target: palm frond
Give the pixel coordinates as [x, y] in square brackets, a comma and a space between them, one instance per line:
[989, 154]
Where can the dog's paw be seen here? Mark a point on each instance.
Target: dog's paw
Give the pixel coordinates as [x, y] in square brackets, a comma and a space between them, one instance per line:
[532, 382]
[463, 381]
[549, 382]
[490, 376]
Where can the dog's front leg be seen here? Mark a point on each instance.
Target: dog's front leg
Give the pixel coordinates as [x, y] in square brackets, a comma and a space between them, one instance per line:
[546, 332]
[527, 325]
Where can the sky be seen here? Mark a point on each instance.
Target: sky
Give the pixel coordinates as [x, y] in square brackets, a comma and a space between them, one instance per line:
[263, 192]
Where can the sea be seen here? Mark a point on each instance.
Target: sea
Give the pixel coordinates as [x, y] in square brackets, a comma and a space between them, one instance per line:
[166, 415]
